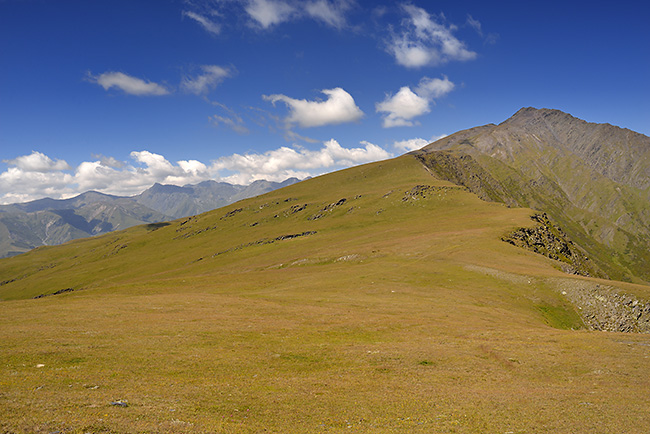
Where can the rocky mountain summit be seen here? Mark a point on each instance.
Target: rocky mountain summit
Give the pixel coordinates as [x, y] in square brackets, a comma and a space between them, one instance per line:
[593, 180]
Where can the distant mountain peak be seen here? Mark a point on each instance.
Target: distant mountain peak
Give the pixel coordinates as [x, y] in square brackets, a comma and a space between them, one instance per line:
[168, 188]
[529, 115]
[54, 221]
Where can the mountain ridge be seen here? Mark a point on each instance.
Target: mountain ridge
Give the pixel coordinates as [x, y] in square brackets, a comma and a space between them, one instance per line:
[24, 226]
[591, 178]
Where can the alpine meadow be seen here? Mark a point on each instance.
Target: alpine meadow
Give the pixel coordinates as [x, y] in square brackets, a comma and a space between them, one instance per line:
[380, 298]
[324, 216]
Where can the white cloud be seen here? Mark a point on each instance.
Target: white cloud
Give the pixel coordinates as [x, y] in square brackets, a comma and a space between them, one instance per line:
[434, 88]
[231, 119]
[330, 13]
[202, 84]
[402, 107]
[267, 13]
[410, 145]
[423, 41]
[405, 105]
[128, 84]
[21, 184]
[280, 164]
[490, 38]
[38, 162]
[414, 144]
[338, 108]
[26, 180]
[35, 176]
[208, 24]
[134, 178]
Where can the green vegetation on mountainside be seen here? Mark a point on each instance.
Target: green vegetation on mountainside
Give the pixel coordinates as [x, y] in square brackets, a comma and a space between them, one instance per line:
[591, 179]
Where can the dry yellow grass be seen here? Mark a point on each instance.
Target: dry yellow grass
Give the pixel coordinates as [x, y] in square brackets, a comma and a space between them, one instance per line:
[395, 316]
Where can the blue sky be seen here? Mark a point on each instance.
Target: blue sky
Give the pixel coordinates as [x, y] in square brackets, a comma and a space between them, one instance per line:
[114, 95]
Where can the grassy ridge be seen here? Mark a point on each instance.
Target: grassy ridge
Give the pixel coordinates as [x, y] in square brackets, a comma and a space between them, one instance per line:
[397, 310]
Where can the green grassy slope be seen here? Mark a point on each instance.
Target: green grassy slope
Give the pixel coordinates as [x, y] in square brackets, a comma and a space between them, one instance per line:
[397, 309]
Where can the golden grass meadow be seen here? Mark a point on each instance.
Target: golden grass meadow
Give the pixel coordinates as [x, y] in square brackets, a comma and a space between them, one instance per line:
[376, 299]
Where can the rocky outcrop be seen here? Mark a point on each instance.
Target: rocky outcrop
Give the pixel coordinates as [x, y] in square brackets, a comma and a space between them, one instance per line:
[600, 307]
[424, 191]
[606, 308]
[549, 240]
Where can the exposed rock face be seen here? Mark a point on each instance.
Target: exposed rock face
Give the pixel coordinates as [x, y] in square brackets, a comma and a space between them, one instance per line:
[549, 240]
[605, 308]
[600, 307]
[592, 179]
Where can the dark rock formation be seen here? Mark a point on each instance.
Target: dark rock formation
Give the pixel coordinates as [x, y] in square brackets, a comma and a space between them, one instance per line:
[549, 240]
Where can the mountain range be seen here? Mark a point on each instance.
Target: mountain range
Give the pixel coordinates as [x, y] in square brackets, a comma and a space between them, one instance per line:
[494, 281]
[24, 226]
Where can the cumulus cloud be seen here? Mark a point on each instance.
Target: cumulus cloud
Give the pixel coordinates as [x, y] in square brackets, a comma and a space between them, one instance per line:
[20, 185]
[38, 162]
[28, 179]
[202, 84]
[148, 169]
[206, 22]
[35, 176]
[406, 104]
[434, 88]
[280, 164]
[108, 161]
[402, 107]
[423, 41]
[128, 84]
[338, 108]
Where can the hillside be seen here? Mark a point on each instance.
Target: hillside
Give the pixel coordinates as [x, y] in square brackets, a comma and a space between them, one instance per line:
[46, 222]
[592, 179]
[375, 299]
